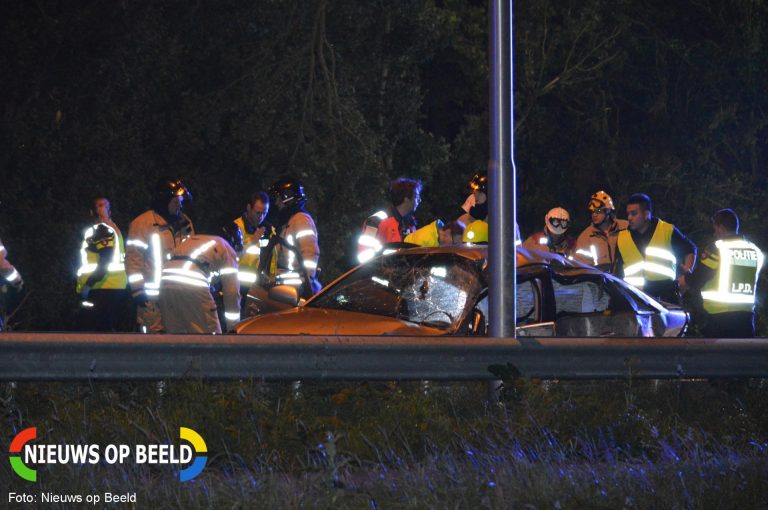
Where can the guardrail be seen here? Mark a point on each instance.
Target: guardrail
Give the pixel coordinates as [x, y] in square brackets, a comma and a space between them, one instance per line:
[81, 356]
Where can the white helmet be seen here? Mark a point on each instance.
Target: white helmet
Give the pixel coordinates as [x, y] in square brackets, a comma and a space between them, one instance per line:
[557, 221]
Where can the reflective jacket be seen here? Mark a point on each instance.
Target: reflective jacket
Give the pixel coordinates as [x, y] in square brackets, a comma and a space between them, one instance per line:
[659, 262]
[102, 260]
[426, 236]
[381, 228]
[7, 270]
[248, 265]
[299, 231]
[201, 261]
[150, 240]
[736, 263]
[597, 247]
[368, 244]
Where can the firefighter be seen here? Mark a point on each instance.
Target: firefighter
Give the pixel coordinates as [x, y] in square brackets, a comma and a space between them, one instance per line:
[151, 237]
[101, 278]
[653, 254]
[256, 232]
[393, 225]
[726, 279]
[596, 245]
[554, 237]
[199, 263]
[475, 207]
[297, 228]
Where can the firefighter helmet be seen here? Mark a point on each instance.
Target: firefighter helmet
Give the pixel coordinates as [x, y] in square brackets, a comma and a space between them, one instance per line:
[169, 187]
[476, 232]
[557, 221]
[479, 182]
[231, 233]
[600, 200]
[288, 191]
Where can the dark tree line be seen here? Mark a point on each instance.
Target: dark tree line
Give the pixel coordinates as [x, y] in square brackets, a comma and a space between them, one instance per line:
[104, 97]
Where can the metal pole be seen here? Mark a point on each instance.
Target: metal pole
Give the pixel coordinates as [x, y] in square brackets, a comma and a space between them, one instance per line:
[501, 172]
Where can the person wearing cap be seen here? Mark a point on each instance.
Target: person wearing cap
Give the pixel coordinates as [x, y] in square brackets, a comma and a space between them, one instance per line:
[101, 278]
[152, 236]
[653, 255]
[554, 238]
[726, 279]
[596, 245]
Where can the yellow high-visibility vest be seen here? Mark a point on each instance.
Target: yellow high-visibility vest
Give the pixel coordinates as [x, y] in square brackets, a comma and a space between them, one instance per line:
[248, 261]
[658, 263]
[115, 277]
[737, 265]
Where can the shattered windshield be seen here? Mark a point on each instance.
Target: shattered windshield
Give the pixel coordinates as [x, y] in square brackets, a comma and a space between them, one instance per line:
[431, 289]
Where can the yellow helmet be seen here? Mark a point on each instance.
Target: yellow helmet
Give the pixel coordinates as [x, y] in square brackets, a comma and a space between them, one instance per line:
[600, 200]
[476, 232]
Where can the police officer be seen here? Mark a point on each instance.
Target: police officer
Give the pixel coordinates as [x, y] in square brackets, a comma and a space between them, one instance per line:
[726, 278]
[151, 237]
[256, 232]
[101, 278]
[199, 263]
[297, 228]
[653, 254]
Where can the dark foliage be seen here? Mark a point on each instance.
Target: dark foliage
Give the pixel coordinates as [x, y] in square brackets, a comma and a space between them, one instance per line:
[102, 98]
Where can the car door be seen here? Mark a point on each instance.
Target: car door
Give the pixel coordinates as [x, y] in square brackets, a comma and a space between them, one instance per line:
[589, 304]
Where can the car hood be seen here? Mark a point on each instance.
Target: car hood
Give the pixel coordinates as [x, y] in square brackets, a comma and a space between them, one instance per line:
[321, 321]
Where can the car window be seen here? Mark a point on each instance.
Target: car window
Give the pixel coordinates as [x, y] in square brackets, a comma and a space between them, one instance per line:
[527, 302]
[434, 289]
[580, 296]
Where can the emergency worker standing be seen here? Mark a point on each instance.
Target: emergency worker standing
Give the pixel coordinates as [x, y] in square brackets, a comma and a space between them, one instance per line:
[197, 264]
[393, 225]
[652, 252]
[256, 232]
[101, 278]
[297, 228]
[726, 277]
[151, 237]
[596, 245]
[554, 238]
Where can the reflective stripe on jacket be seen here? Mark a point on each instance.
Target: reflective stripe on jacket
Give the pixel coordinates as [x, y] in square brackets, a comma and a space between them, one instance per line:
[115, 277]
[659, 262]
[737, 264]
[201, 260]
[150, 240]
